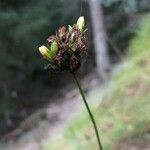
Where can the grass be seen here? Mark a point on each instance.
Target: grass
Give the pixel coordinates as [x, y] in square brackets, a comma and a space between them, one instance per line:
[125, 111]
[141, 42]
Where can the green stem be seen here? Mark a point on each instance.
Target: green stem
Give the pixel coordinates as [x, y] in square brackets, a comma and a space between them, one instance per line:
[89, 112]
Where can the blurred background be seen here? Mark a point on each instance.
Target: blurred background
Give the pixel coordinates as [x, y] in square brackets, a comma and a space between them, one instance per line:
[40, 110]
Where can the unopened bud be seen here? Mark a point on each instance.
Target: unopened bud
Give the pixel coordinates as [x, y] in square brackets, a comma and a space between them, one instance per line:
[81, 23]
[69, 28]
[45, 52]
[53, 49]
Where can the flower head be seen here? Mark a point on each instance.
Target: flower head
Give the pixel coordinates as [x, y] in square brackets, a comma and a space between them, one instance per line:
[81, 23]
[66, 47]
[45, 52]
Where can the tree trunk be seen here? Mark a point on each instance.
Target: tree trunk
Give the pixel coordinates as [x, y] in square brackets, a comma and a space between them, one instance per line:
[99, 35]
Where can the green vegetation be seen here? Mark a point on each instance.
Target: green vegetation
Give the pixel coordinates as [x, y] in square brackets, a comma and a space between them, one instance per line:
[141, 42]
[125, 109]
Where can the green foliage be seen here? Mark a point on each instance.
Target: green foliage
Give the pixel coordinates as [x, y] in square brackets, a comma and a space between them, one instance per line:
[137, 46]
[123, 15]
[129, 6]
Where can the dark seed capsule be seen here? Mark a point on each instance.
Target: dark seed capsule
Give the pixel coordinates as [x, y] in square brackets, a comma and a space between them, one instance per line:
[74, 64]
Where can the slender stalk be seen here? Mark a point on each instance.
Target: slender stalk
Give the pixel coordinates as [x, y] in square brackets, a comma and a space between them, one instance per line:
[89, 111]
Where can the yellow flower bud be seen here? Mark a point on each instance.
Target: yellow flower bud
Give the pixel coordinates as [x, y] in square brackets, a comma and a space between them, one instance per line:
[81, 23]
[45, 52]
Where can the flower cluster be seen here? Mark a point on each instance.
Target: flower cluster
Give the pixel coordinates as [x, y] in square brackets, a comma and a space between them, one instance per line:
[66, 48]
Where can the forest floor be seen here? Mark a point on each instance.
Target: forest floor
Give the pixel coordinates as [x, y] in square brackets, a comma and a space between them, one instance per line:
[64, 117]
[50, 122]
